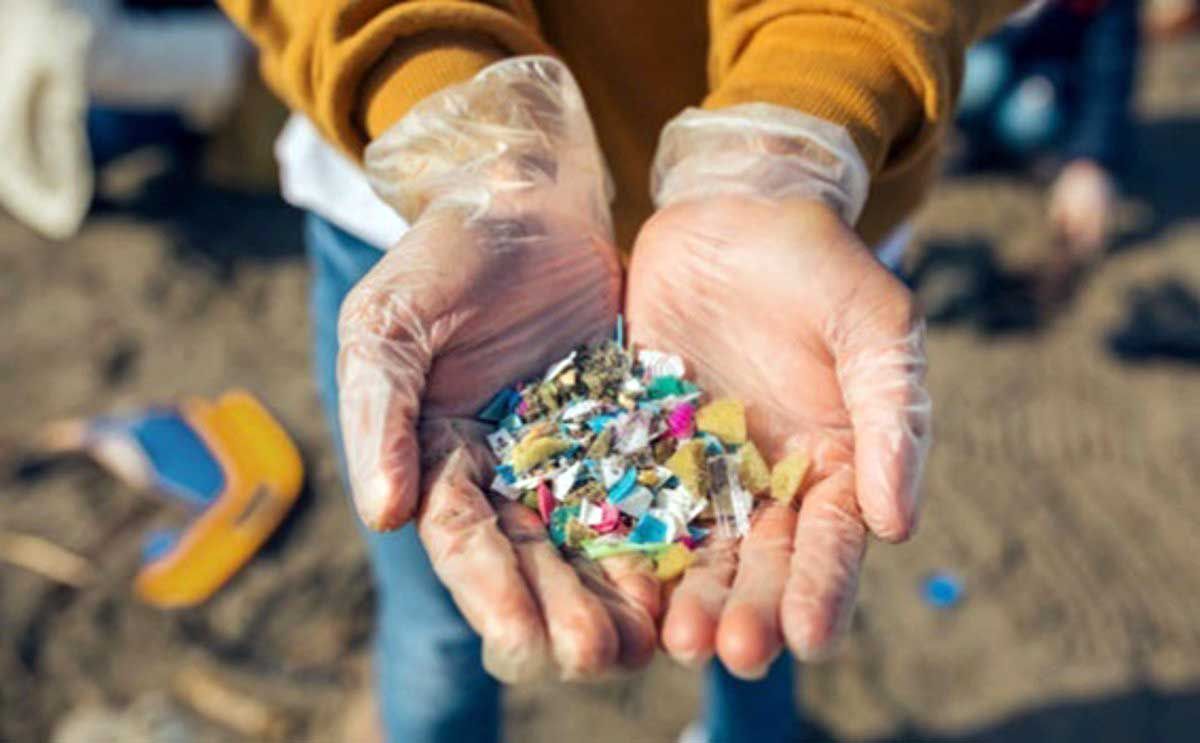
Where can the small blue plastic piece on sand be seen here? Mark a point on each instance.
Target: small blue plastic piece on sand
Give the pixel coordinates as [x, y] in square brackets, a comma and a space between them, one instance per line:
[942, 590]
[506, 471]
[619, 333]
[512, 423]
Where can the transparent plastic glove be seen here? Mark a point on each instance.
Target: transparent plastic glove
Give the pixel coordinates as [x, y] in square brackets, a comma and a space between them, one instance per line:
[771, 298]
[508, 264]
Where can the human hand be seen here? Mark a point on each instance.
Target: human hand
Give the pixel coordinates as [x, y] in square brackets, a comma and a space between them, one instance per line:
[772, 299]
[1081, 204]
[508, 264]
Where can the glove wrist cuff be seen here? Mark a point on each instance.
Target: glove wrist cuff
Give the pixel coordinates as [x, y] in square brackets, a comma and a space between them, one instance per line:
[517, 128]
[761, 150]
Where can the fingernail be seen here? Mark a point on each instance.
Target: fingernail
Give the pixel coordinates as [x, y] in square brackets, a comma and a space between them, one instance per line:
[693, 661]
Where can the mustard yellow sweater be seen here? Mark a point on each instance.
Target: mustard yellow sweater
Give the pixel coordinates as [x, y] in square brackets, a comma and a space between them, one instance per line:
[887, 70]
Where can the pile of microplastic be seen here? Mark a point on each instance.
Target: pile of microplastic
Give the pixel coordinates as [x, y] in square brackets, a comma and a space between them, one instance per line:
[620, 454]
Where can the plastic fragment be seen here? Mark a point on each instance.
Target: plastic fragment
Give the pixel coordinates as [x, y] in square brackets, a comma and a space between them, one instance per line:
[671, 562]
[788, 476]
[942, 590]
[725, 419]
[558, 523]
[633, 503]
[681, 421]
[753, 470]
[659, 364]
[668, 386]
[532, 452]
[546, 502]
[565, 481]
[652, 528]
[688, 464]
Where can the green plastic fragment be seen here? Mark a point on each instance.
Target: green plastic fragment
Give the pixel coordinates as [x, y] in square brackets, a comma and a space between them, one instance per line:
[598, 549]
[669, 386]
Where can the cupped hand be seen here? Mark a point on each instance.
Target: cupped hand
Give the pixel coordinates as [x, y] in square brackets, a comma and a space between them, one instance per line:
[778, 304]
[508, 265]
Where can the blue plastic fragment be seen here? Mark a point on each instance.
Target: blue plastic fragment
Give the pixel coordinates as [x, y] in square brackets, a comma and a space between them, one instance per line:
[942, 590]
[599, 422]
[649, 530]
[512, 423]
[697, 533]
[623, 487]
[619, 332]
[506, 471]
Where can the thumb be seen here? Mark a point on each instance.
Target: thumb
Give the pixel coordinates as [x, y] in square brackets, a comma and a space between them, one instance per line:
[382, 364]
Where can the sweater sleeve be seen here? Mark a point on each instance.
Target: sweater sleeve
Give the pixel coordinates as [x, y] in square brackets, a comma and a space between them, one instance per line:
[886, 70]
[356, 66]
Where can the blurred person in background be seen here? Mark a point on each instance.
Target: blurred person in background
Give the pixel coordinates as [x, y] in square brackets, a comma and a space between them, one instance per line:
[88, 81]
[1053, 89]
[782, 138]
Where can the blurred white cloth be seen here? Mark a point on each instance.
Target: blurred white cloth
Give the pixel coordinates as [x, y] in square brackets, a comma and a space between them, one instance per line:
[60, 55]
[315, 176]
[46, 178]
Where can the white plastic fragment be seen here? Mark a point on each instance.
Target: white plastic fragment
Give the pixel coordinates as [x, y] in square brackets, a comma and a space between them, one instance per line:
[659, 364]
[559, 367]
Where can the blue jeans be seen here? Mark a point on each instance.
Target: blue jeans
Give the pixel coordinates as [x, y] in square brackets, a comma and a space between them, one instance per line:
[431, 682]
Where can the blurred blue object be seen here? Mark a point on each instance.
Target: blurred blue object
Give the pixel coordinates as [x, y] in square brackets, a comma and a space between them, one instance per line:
[181, 463]
[942, 590]
[114, 132]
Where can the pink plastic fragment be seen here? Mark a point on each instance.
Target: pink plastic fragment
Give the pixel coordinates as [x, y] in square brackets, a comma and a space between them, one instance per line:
[610, 520]
[545, 501]
[687, 541]
[681, 421]
[522, 407]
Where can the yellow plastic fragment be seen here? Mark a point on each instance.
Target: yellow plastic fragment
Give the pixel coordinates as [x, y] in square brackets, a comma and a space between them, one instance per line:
[532, 452]
[688, 464]
[725, 419]
[649, 478]
[673, 561]
[788, 476]
[753, 470]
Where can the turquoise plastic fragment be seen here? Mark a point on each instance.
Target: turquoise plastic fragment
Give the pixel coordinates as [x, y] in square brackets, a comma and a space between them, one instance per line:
[512, 423]
[499, 407]
[661, 387]
[649, 530]
[558, 523]
[599, 422]
[712, 444]
[623, 487]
